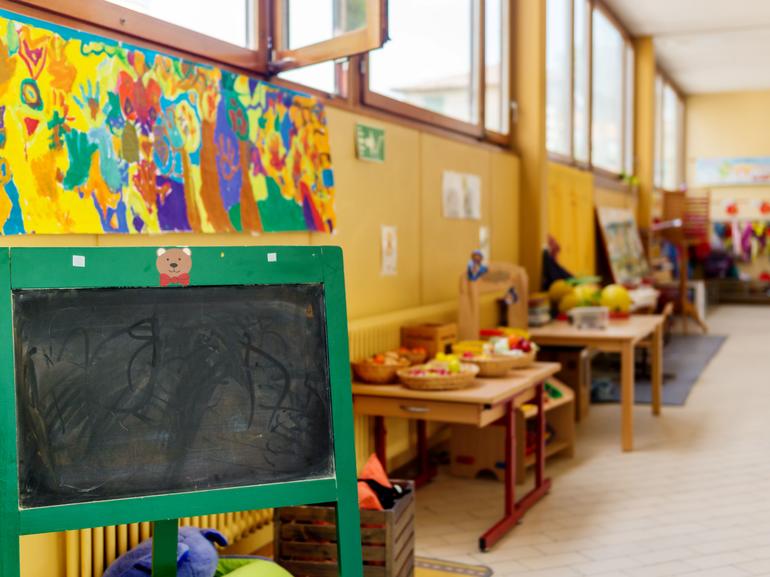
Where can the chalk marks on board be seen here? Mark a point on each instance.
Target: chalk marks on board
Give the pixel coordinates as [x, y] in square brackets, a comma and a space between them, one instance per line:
[127, 392]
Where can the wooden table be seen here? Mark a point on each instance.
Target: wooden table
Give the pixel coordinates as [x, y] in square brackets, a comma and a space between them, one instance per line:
[621, 336]
[489, 400]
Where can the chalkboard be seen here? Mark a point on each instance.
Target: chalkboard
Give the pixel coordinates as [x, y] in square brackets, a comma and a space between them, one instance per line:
[127, 392]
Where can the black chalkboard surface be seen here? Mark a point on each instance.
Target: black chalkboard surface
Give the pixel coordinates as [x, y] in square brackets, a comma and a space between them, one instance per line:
[138, 391]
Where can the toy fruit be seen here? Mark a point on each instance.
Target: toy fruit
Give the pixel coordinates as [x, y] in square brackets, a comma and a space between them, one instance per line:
[568, 302]
[588, 295]
[558, 289]
[616, 298]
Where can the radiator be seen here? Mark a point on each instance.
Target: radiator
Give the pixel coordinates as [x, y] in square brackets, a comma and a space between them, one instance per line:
[89, 551]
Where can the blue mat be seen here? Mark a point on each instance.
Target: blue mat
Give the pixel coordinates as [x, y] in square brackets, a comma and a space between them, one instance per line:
[685, 357]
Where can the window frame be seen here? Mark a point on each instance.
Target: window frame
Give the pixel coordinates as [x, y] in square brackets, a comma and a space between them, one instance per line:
[263, 58]
[352, 43]
[666, 82]
[628, 100]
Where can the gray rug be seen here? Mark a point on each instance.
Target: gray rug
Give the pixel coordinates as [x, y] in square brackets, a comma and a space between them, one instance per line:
[685, 357]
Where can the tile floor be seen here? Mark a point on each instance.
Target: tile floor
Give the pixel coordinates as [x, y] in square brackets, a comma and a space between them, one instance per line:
[693, 499]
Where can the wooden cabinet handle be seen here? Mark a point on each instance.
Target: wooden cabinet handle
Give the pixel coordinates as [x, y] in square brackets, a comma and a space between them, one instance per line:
[413, 409]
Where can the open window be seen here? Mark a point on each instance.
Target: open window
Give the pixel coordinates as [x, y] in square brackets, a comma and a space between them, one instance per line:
[263, 36]
[312, 31]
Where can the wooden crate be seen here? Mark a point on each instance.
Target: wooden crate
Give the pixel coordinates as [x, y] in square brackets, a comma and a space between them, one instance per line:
[306, 539]
[434, 338]
[474, 450]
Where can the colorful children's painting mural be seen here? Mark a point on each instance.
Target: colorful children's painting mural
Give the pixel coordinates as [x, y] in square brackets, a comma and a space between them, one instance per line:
[102, 137]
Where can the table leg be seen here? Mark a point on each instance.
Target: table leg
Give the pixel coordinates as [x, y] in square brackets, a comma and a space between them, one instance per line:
[656, 347]
[514, 510]
[627, 396]
[426, 472]
[381, 441]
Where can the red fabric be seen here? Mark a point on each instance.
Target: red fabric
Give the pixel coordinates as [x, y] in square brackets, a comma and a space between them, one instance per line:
[373, 470]
[367, 499]
[182, 279]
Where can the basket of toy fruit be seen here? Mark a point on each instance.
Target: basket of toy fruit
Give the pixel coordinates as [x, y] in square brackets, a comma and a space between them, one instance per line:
[381, 368]
[444, 373]
[513, 344]
[490, 365]
[415, 355]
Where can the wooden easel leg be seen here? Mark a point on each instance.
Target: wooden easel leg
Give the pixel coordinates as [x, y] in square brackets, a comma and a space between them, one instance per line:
[164, 545]
[656, 348]
[627, 397]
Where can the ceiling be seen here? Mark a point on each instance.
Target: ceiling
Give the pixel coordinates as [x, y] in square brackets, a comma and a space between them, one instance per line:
[705, 45]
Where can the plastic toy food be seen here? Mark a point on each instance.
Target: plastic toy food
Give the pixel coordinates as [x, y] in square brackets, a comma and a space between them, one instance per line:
[558, 290]
[445, 372]
[616, 298]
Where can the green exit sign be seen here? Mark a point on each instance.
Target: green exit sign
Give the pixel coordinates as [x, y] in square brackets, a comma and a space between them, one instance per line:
[370, 143]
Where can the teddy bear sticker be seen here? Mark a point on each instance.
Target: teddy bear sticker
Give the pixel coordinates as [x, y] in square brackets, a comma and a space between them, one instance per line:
[174, 266]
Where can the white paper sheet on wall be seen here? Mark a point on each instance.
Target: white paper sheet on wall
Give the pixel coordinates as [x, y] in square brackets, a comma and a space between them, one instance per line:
[461, 195]
[388, 251]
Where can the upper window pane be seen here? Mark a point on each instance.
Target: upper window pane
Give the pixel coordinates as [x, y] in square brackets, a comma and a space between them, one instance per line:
[232, 21]
[582, 80]
[559, 77]
[428, 62]
[496, 53]
[628, 96]
[671, 146]
[608, 107]
[312, 21]
[322, 76]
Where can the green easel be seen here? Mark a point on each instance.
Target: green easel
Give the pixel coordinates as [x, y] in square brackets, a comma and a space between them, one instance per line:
[34, 269]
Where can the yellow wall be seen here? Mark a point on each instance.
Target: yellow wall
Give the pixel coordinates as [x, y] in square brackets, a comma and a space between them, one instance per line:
[729, 124]
[405, 192]
[572, 198]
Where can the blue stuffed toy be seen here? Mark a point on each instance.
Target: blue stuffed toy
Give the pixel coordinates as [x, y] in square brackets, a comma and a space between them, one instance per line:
[196, 555]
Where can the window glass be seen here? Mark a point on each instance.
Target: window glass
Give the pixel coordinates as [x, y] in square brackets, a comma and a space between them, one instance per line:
[496, 54]
[559, 77]
[670, 139]
[428, 61]
[628, 96]
[658, 173]
[232, 21]
[608, 106]
[318, 76]
[582, 81]
[313, 21]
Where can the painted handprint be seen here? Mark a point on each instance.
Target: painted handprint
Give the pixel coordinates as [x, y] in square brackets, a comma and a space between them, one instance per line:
[89, 99]
[80, 149]
[146, 182]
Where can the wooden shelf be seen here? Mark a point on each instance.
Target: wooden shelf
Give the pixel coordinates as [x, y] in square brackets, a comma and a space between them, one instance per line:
[552, 448]
[567, 396]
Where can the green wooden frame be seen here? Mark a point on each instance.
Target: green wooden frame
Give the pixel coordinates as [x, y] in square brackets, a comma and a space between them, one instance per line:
[51, 268]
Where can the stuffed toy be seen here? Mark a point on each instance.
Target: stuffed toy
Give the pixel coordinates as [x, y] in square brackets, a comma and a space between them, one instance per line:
[196, 555]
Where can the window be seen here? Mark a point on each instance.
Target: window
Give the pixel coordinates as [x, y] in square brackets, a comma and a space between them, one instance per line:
[590, 83]
[497, 79]
[239, 32]
[558, 107]
[231, 22]
[669, 135]
[435, 67]
[608, 109]
[581, 41]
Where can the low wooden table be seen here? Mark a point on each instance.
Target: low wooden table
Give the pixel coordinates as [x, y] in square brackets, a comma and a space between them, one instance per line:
[489, 400]
[622, 336]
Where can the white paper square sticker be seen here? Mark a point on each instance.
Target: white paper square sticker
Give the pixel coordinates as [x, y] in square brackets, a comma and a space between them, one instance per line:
[78, 261]
[272, 257]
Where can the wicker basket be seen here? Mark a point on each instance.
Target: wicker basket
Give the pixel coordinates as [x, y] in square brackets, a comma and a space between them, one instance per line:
[460, 380]
[497, 366]
[370, 372]
[415, 358]
[524, 361]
